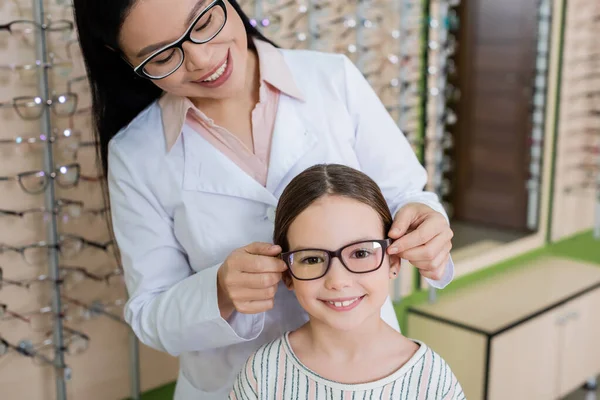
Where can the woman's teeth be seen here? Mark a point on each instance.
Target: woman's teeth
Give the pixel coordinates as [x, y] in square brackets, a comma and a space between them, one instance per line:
[217, 73]
[343, 303]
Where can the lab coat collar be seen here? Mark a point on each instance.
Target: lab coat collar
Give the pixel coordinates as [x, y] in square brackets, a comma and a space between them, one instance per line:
[209, 170]
[273, 70]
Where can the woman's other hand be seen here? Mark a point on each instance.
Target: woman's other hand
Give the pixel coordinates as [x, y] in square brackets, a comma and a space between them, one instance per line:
[423, 237]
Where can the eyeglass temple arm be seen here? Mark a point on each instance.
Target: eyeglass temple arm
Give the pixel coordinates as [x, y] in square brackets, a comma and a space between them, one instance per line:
[95, 308]
[84, 271]
[13, 314]
[12, 213]
[96, 245]
[23, 284]
[88, 178]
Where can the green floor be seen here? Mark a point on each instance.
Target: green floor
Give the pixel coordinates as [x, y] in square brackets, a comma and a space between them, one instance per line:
[582, 247]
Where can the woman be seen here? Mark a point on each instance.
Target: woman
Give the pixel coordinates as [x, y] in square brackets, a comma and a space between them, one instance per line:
[202, 122]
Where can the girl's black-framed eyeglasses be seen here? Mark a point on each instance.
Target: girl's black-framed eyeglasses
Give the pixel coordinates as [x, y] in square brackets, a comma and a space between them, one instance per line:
[359, 257]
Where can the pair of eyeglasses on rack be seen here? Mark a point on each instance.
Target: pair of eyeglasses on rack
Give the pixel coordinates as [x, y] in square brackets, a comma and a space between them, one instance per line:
[80, 82]
[444, 143]
[73, 312]
[62, 9]
[24, 26]
[446, 48]
[585, 186]
[274, 21]
[66, 211]
[448, 91]
[74, 342]
[68, 246]
[69, 277]
[38, 358]
[590, 149]
[25, 30]
[65, 176]
[28, 73]
[32, 107]
[112, 309]
[67, 141]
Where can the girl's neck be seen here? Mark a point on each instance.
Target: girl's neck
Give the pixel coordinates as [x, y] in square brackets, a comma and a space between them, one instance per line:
[348, 345]
[367, 353]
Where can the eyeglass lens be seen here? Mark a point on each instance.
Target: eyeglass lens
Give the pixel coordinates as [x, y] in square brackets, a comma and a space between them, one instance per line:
[359, 257]
[31, 108]
[36, 181]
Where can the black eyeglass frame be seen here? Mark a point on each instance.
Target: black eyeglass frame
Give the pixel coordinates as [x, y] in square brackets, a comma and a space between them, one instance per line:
[385, 243]
[187, 36]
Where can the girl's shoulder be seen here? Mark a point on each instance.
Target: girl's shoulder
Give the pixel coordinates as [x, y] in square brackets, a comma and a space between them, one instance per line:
[430, 375]
[268, 352]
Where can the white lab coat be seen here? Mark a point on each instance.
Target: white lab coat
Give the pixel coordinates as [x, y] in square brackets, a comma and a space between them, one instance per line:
[177, 214]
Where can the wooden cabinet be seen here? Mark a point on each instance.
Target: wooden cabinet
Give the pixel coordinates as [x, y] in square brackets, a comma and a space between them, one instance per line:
[530, 333]
[579, 324]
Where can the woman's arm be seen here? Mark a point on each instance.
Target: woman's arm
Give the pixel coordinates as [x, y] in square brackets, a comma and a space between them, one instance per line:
[385, 154]
[171, 308]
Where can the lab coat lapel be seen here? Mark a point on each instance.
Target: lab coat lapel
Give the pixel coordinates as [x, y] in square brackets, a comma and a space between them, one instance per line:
[293, 136]
[209, 170]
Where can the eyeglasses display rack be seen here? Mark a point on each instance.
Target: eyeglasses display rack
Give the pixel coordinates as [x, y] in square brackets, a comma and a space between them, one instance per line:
[43, 129]
[576, 194]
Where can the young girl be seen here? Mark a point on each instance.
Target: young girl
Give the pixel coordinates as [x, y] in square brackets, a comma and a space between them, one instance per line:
[331, 223]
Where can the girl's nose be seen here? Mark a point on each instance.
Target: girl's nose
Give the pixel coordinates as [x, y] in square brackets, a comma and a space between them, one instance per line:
[338, 277]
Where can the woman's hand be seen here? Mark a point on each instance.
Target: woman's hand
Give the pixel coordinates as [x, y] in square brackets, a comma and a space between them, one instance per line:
[247, 281]
[423, 238]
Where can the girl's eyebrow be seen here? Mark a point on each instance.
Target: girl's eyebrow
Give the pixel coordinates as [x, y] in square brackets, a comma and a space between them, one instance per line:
[360, 239]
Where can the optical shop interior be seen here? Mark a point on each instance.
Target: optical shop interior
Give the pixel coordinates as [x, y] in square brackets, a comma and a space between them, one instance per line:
[500, 101]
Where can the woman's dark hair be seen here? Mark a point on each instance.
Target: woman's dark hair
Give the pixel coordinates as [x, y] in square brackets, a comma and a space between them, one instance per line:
[118, 94]
[322, 180]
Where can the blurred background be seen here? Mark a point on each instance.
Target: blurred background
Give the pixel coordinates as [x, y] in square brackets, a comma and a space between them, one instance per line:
[500, 101]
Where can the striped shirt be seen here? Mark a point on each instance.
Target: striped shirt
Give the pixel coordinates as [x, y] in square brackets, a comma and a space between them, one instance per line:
[274, 372]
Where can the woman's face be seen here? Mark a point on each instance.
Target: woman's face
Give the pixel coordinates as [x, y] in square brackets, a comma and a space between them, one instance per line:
[152, 24]
[331, 223]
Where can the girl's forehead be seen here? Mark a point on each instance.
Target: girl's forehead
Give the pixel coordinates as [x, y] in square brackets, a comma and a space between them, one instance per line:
[334, 222]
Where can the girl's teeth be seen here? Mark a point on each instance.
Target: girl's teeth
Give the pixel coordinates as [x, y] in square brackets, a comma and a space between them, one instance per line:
[217, 73]
[342, 303]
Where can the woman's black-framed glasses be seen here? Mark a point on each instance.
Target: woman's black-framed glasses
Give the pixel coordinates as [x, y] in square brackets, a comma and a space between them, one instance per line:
[169, 58]
[358, 257]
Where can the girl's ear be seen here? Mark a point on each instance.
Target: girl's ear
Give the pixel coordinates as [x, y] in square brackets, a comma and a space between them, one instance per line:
[395, 262]
[287, 280]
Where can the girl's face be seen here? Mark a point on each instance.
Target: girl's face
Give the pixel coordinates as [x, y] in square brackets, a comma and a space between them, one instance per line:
[152, 24]
[331, 223]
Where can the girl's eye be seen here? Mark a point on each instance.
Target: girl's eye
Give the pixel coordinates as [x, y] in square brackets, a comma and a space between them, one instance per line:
[361, 253]
[312, 260]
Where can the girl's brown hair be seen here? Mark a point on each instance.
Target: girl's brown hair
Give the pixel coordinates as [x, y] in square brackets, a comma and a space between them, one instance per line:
[322, 180]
